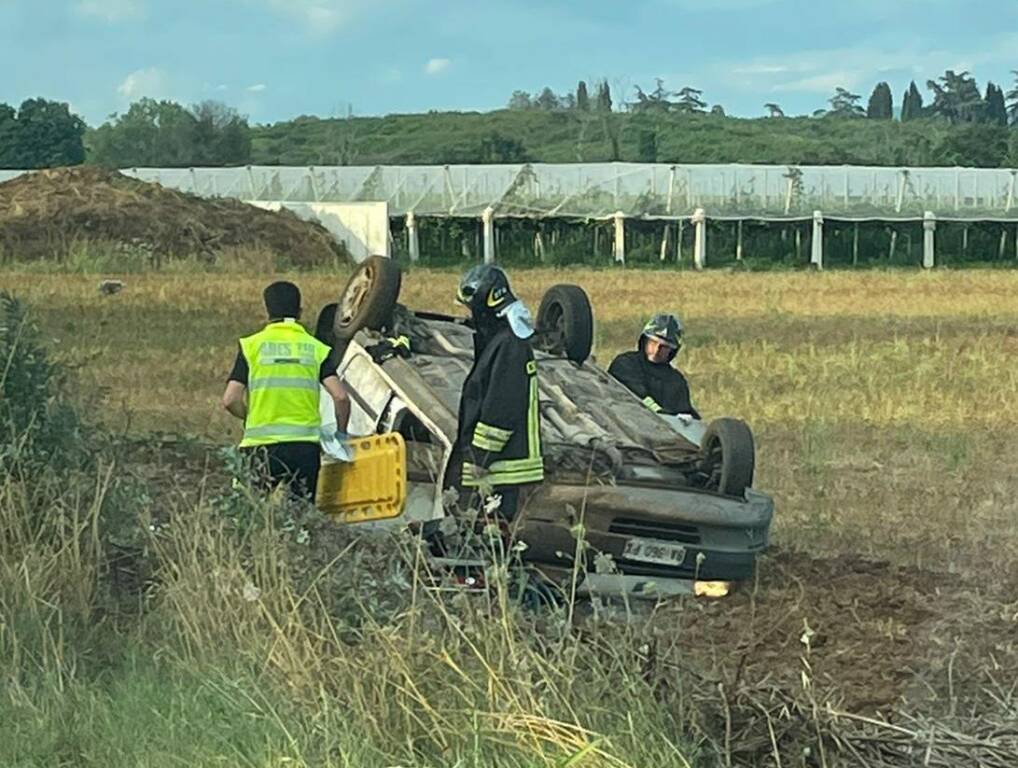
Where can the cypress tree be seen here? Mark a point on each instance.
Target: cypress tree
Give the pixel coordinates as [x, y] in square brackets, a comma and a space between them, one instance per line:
[582, 97]
[995, 110]
[881, 104]
[604, 97]
[912, 104]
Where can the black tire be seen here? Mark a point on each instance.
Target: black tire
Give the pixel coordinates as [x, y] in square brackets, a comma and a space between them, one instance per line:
[728, 456]
[565, 323]
[368, 299]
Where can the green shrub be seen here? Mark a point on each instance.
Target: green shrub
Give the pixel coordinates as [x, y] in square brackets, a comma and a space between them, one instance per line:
[36, 427]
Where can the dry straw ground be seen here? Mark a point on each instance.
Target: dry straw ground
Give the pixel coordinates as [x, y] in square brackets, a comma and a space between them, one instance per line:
[883, 402]
[883, 408]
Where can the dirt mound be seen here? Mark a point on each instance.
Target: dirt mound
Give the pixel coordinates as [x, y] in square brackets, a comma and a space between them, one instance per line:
[43, 214]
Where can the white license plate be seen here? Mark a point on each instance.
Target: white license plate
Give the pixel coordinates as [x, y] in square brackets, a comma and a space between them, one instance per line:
[653, 551]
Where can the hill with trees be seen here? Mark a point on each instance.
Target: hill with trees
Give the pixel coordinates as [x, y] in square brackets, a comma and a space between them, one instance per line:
[508, 136]
[958, 124]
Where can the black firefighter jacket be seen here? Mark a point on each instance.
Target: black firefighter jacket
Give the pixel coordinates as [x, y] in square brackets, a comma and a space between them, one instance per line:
[499, 418]
[661, 388]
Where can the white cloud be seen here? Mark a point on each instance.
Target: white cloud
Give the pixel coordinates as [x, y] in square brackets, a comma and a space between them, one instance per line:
[821, 71]
[437, 66]
[110, 10]
[151, 82]
[823, 82]
[321, 17]
[761, 69]
[256, 88]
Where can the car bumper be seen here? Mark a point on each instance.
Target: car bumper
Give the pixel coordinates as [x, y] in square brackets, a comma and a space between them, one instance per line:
[720, 537]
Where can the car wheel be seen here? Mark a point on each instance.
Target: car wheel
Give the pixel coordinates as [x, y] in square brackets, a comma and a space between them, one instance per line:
[565, 323]
[368, 299]
[728, 456]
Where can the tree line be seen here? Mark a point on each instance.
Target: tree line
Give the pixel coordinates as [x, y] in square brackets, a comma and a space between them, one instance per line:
[549, 101]
[40, 134]
[960, 124]
[955, 97]
[46, 134]
[167, 135]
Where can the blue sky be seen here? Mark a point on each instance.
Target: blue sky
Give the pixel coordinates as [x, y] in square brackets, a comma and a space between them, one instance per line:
[276, 59]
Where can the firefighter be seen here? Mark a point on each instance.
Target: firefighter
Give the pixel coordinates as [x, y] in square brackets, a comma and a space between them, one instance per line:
[274, 389]
[499, 435]
[648, 371]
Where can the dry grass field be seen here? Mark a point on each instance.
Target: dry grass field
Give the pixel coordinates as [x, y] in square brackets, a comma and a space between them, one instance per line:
[883, 402]
[883, 406]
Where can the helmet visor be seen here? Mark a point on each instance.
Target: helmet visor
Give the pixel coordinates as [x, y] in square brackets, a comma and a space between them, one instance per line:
[665, 341]
[466, 293]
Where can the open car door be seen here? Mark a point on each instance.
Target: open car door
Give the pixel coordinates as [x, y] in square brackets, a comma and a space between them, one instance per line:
[372, 486]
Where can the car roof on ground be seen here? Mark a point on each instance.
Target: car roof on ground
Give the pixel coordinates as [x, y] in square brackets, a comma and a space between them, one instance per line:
[582, 407]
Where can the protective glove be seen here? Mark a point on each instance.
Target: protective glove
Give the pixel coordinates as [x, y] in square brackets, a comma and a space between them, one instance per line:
[336, 446]
[394, 346]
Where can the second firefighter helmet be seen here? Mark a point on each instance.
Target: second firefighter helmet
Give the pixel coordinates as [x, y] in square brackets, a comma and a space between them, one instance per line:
[485, 289]
[665, 328]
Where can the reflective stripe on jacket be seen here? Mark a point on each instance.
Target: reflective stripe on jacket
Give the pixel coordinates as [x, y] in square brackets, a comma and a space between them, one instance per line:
[500, 418]
[283, 362]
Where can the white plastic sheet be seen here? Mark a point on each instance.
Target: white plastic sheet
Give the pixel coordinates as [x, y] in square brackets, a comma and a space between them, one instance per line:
[599, 190]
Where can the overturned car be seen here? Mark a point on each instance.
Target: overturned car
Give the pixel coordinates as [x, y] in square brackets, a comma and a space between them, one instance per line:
[669, 500]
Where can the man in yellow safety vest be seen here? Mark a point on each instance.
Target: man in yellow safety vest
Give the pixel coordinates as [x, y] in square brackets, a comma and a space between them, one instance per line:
[274, 389]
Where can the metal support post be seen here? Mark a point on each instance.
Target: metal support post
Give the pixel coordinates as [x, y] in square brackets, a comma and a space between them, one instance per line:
[816, 257]
[488, 219]
[929, 240]
[699, 220]
[413, 244]
[620, 237]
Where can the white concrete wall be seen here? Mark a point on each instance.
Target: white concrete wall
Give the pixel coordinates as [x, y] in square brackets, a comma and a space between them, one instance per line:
[362, 227]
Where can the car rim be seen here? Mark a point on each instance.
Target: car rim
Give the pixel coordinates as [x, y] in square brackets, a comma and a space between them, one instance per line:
[353, 297]
[555, 335]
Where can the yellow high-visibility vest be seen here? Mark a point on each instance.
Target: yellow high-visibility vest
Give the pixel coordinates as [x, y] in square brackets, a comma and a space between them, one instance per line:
[283, 361]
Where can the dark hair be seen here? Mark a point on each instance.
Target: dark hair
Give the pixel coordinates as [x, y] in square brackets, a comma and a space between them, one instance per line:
[282, 299]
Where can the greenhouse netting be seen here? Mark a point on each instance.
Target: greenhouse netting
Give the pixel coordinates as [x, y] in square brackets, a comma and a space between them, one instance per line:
[634, 190]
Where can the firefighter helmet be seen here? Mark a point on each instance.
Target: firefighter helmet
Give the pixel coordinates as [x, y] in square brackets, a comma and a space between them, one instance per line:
[485, 289]
[665, 328]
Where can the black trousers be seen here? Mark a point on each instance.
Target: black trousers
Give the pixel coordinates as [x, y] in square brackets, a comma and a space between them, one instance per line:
[294, 464]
